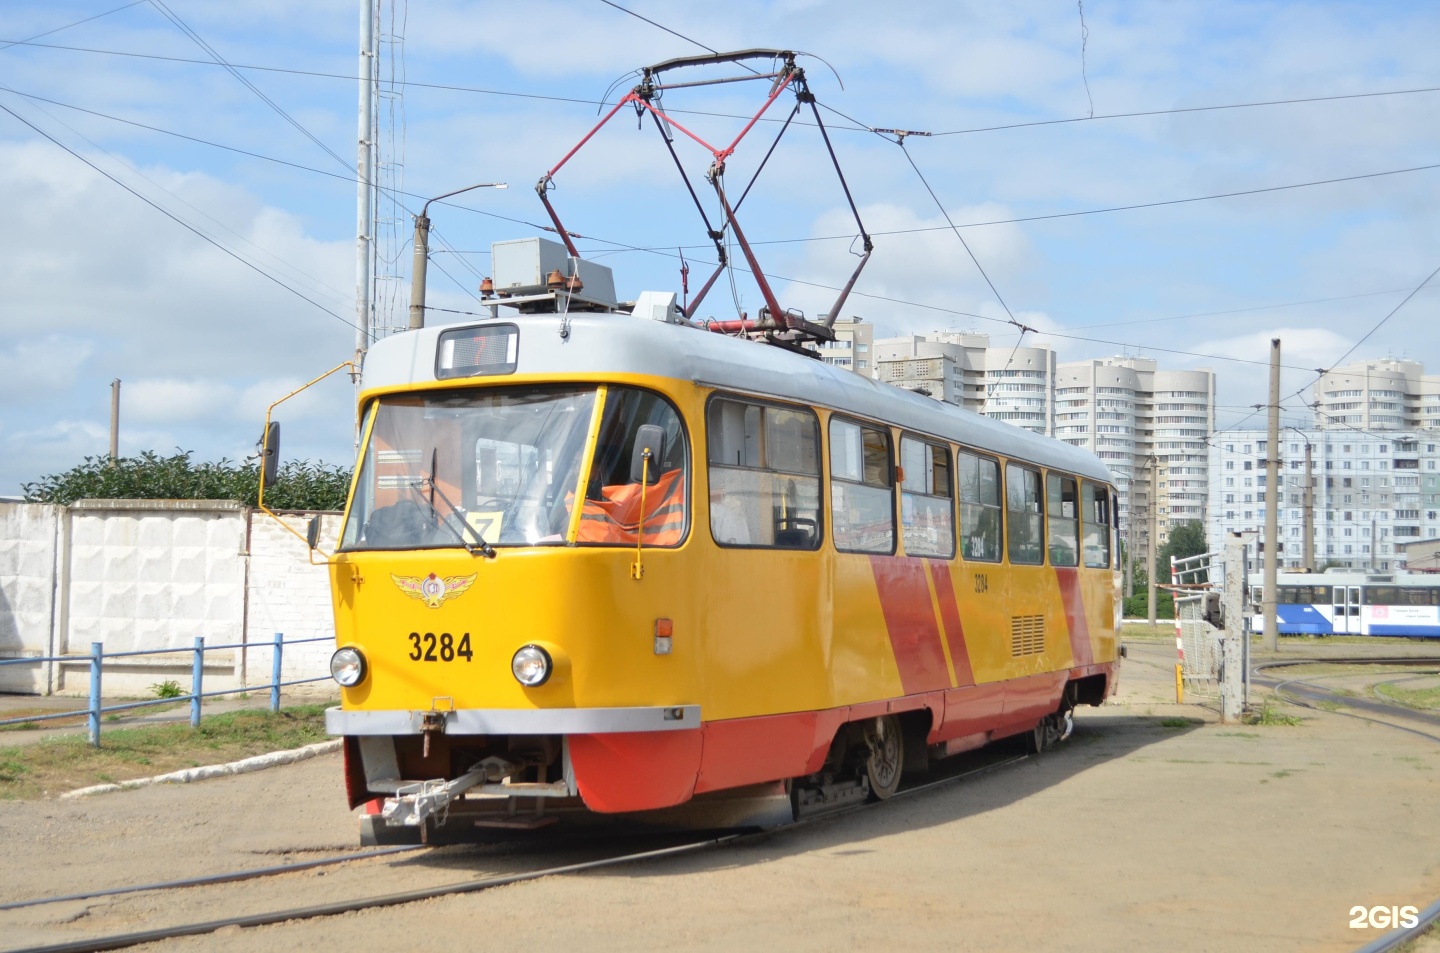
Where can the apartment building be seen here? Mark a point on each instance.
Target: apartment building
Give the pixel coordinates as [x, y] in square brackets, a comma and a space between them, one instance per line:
[1126, 410]
[854, 338]
[1377, 395]
[1013, 384]
[1374, 492]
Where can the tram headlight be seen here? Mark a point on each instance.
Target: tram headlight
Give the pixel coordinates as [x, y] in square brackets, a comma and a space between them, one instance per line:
[532, 666]
[347, 666]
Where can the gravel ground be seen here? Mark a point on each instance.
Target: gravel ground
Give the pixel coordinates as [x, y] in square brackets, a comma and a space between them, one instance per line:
[1133, 836]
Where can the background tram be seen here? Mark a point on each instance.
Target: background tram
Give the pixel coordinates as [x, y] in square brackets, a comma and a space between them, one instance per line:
[1353, 603]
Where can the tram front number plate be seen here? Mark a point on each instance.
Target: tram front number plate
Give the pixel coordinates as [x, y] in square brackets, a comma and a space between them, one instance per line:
[429, 647]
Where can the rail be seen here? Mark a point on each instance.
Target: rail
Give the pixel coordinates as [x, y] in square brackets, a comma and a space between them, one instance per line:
[196, 695]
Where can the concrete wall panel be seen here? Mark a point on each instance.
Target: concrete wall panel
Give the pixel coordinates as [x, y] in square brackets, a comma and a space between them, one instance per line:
[28, 539]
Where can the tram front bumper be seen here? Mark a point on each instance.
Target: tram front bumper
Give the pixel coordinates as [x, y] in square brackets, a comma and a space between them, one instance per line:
[513, 721]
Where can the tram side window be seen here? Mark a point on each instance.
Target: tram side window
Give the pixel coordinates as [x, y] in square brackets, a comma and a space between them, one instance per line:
[980, 519]
[1095, 521]
[926, 510]
[1061, 499]
[1381, 595]
[1026, 515]
[615, 508]
[1418, 596]
[863, 507]
[764, 475]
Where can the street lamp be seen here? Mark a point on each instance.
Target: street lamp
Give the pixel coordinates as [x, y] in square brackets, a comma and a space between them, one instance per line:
[422, 252]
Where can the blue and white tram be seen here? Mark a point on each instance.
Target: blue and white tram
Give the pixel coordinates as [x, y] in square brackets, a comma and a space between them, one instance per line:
[1353, 603]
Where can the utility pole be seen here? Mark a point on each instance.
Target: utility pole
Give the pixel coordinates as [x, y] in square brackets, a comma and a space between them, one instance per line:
[364, 185]
[1130, 540]
[1273, 495]
[1309, 509]
[114, 421]
[1151, 550]
[419, 265]
[1232, 688]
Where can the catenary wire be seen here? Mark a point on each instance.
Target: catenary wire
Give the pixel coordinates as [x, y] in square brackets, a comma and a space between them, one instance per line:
[776, 241]
[859, 127]
[179, 221]
[6, 44]
[284, 265]
[624, 247]
[244, 80]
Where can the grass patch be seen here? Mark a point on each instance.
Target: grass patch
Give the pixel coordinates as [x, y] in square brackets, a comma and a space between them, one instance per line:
[167, 689]
[1145, 632]
[1247, 735]
[55, 765]
[1180, 722]
[1425, 699]
[1329, 705]
[1271, 715]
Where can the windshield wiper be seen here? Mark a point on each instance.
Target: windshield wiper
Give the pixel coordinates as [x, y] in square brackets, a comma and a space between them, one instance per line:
[480, 545]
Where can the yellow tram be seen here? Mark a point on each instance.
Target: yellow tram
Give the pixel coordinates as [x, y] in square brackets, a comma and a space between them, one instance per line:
[611, 562]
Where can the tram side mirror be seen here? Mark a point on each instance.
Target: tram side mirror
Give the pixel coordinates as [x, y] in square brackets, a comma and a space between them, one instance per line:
[270, 453]
[647, 437]
[312, 532]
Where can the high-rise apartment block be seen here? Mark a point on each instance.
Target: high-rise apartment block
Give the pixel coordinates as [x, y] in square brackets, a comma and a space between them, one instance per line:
[1374, 492]
[1128, 412]
[1123, 409]
[1013, 384]
[1377, 395]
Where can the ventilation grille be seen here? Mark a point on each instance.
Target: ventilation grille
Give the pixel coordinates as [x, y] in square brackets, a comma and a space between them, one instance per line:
[1027, 635]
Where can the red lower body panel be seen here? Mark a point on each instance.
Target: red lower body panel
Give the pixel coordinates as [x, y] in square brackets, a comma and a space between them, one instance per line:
[648, 770]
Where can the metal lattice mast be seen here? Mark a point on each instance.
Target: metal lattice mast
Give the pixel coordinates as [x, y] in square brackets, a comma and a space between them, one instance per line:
[364, 183]
[391, 220]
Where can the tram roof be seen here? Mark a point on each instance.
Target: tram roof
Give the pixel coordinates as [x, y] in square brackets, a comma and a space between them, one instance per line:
[622, 344]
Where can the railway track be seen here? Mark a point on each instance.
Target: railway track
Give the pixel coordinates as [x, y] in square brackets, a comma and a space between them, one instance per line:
[1305, 693]
[118, 941]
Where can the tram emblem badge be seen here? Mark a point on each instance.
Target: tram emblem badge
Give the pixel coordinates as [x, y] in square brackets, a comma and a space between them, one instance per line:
[432, 590]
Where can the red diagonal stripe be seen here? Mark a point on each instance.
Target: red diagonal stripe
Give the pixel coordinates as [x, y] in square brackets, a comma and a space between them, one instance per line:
[1075, 621]
[910, 622]
[954, 630]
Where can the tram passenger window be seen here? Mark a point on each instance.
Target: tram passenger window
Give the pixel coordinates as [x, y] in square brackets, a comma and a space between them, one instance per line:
[926, 508]
[764, 475]
[1381, 596]
[1414, 596]
[635, 420]
[863, 507]
[1026, 515]
[980, 519]
[1061, 493]
[1095, 521]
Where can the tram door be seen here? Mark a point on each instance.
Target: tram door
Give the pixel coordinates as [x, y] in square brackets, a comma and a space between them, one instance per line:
[1345, 608]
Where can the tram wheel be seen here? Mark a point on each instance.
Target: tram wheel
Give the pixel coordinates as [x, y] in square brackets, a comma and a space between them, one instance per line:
[1039, 737]
[885, 756]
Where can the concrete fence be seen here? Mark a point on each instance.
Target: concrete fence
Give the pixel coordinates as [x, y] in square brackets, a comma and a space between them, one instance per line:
[154, 574]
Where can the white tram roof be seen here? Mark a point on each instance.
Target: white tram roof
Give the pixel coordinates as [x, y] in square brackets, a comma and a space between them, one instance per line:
[1341, 577]
[622, 344]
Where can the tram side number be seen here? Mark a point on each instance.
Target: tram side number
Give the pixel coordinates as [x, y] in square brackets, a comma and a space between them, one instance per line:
[982, 582]
[423, 648]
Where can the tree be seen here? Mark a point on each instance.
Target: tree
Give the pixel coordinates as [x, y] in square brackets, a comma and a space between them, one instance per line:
[300, 485]
[1187, 539]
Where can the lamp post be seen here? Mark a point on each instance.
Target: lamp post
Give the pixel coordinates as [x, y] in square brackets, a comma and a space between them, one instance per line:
[422, 252]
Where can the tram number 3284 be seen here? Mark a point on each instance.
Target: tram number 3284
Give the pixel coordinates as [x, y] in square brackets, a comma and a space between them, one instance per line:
[442, 648]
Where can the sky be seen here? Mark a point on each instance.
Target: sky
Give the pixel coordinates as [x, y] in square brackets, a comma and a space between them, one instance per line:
[193, 235]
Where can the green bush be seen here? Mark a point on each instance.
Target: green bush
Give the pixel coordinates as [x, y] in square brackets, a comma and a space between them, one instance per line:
[1138, 606]
[300, 485]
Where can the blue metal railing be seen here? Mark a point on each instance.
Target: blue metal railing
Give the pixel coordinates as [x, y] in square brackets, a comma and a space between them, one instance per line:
[98, 655]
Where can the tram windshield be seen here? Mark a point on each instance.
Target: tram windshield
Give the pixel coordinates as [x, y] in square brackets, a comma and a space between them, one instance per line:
[501, 467]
